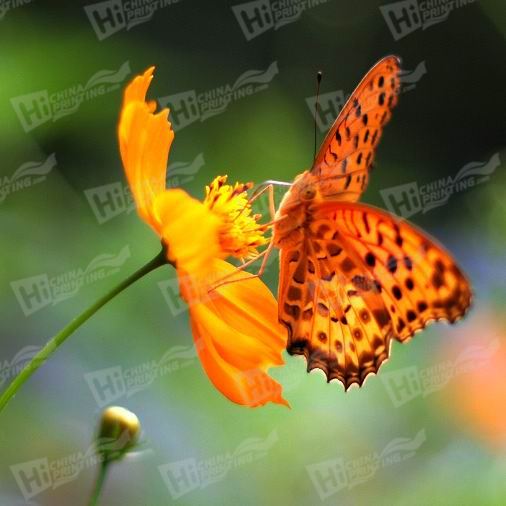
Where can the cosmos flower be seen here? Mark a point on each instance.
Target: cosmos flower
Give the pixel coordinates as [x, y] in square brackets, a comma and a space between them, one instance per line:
[234, 325]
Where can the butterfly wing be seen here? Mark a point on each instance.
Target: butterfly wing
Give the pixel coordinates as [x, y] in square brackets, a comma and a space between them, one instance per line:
[346, 154]
[359, 278]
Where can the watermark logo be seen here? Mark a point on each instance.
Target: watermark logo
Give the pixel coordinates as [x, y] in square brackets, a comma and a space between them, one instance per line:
[11, 368]
[331, 476]
[408, 383]
[37, 292]
[35, 109]
[190, 106]
[113, 383]
[8, 5]
[406, 16]
[111, 16]
[113, 199]
[330, 104]
[258, 16]
[410, 198]
[36, 476]
[28, 174]
[185, 476]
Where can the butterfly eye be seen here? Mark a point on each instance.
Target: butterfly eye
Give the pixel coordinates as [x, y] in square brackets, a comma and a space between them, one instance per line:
[308, 193]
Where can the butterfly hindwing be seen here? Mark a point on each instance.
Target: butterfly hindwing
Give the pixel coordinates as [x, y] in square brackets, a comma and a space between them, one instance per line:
[346, 154]
[419, 279]
[339, 289]
[339, 325]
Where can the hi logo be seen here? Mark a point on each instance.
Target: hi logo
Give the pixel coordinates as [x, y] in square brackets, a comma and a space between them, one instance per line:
[189, 106]
[406, 384]
[111, 16]
[408, 199]
[406, 16]
[7, 5]
[111, 200]
[36, 476]
[259, 16]
[109, 385]
[184, 476]
[35, 109]
[37, 292]
[331, 476]
[331, 103]
[10, 369]
[28, 174]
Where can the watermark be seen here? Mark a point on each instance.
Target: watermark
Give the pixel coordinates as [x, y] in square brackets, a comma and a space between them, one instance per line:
[36, 476]
[114, 383]
[408, 383]
[406, 16]
[37, 108]
[8, 5]
[40, 291]
[11, 368]
[113, 199]
[26, 175]
[111, 16]
[331, 476]
[258, 16]
[330, 104]
[190, 106]
[185, 476]
[410, 198]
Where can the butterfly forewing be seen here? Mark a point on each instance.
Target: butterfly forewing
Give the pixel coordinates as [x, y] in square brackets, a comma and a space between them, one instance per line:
[346, 155]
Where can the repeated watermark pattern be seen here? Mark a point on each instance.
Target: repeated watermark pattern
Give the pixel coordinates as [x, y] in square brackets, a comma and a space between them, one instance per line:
[409, 383]
[410, 198]
[114, 383]
[189, 106]
[406, 16]
[42, 290]
[185, 476]
[35, 109]
[11, 368]
[331, 103]
[111, 16]
[8, 5]
[258, 16]
[332, 476]
[113, 199]
[26, 175]
[36, 476]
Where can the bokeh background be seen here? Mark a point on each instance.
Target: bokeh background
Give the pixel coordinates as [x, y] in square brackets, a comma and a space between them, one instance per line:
[430, 429]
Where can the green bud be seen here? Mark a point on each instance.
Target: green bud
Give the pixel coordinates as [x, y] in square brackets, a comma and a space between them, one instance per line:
[118, 433]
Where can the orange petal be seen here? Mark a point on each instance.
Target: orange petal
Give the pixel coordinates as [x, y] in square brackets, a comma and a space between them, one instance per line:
[189, 230]
[144, 139]
[237, 334]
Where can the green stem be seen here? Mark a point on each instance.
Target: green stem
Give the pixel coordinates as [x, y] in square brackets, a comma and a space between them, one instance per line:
[99, 482]
[59, 338]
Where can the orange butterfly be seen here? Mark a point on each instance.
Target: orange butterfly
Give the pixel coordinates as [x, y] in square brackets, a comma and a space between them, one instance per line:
[352, 277]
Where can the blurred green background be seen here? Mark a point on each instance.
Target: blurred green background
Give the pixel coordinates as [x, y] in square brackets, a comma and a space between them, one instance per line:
[430, 429]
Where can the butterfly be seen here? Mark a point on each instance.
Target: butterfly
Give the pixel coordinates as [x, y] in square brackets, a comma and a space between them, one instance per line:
[354, 277]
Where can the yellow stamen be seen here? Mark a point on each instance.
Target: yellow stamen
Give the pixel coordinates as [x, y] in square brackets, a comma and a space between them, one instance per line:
[240, 233]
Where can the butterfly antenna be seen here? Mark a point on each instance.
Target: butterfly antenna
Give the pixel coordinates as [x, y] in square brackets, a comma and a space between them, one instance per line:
[316, 106]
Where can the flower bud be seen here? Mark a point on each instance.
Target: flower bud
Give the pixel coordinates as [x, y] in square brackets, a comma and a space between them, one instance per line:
[118, 433]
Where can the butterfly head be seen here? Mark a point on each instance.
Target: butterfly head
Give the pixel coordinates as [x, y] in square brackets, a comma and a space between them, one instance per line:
[306, 188]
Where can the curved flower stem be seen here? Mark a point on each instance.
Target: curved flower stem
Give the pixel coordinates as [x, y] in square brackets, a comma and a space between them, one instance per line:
[59, 338]
[99, 482]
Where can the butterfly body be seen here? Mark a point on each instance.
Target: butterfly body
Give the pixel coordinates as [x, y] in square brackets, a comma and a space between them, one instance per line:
[353, 277]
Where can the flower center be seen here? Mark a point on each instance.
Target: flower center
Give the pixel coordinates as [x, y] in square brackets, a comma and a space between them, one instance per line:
[240, 233]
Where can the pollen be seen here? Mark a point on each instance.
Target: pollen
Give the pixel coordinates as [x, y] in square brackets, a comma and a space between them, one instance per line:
[240, 233]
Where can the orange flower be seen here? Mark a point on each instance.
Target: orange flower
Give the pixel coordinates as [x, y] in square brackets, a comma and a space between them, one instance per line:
[235, 326]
